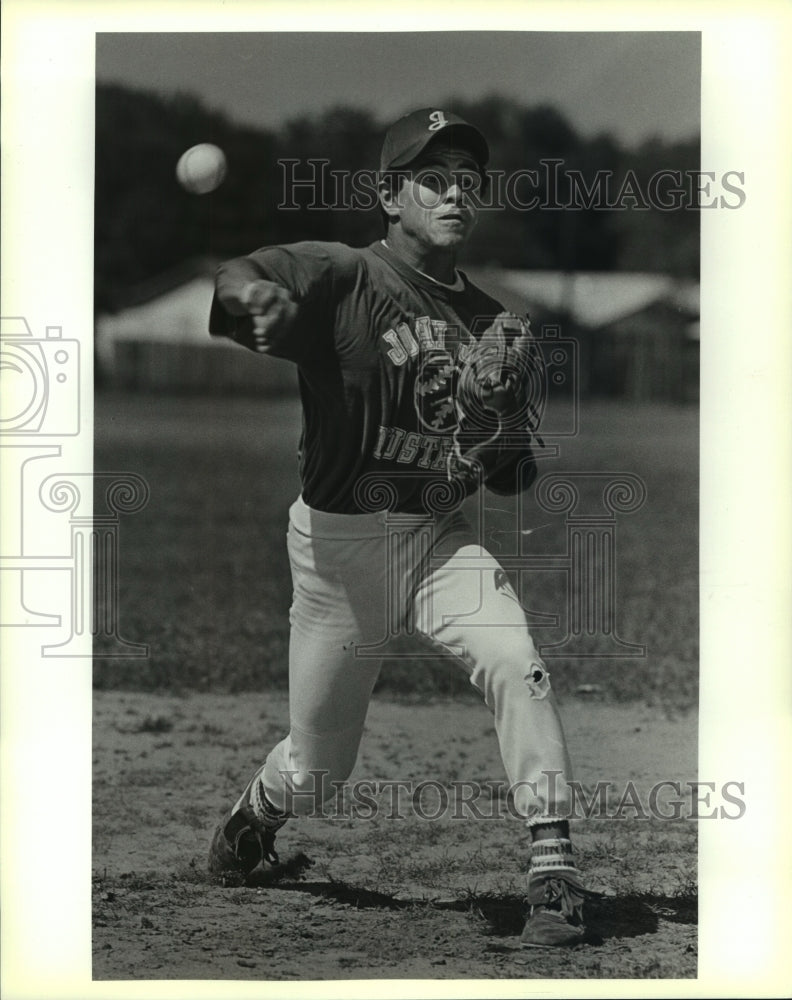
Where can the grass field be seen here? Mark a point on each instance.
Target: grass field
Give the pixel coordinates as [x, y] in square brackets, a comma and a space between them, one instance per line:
[204, 577]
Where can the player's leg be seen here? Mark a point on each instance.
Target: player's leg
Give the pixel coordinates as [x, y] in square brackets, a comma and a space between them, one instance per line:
[466, 604]
[329, 685]
[339, 604]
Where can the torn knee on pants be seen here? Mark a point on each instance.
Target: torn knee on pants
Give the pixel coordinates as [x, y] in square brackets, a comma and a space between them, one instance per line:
[538, 680]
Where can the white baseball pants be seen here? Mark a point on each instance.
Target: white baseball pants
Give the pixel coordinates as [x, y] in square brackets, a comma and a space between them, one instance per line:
[359, 578]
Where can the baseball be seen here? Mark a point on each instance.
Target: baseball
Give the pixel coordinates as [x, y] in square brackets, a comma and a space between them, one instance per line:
[201, 168]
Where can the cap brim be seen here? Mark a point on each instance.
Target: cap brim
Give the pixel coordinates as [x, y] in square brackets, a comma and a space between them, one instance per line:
[467, 138]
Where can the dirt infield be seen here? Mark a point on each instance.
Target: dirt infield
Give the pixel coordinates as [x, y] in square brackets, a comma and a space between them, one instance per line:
[430, 895]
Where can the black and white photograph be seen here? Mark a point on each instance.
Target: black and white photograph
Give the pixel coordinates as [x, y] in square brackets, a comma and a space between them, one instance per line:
[376, 515]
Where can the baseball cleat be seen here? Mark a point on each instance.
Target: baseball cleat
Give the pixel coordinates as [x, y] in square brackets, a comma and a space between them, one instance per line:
[556, 917]
[243, 845]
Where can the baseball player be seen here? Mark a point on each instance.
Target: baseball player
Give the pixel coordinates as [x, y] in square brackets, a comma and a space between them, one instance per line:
[415, 389]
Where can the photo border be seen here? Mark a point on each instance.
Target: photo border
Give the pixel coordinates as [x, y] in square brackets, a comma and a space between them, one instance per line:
[47, 151]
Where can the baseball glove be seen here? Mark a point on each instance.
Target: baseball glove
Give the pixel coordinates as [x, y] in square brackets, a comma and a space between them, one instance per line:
[499, 396]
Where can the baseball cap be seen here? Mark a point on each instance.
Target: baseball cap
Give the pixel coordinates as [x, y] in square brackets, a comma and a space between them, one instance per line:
[410, 135]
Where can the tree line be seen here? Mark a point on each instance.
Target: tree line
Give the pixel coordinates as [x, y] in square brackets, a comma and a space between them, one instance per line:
[559, 200]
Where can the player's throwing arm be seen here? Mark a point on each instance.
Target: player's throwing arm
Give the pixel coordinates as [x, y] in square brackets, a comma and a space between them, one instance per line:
[270, 306]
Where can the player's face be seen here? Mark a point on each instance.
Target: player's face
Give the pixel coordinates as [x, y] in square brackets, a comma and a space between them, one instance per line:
[437, 200]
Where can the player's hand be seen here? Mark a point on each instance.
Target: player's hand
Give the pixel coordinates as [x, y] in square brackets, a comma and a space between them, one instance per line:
[272, 309]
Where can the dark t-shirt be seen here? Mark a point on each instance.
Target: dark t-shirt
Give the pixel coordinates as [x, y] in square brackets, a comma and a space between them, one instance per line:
[375, 343]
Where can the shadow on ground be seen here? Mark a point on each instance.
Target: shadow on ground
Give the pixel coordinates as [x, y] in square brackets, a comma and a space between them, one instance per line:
[621, 916]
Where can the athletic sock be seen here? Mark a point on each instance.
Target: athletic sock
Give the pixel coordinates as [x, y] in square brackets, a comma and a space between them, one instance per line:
[254, 798]
[552, 856]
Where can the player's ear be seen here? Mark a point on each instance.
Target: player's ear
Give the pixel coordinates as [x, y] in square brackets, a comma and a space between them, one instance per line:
[389, 192]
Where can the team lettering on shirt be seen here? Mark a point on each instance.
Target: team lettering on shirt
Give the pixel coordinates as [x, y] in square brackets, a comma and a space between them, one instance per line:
[437, 346]
[429, 335]
[426, 451]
